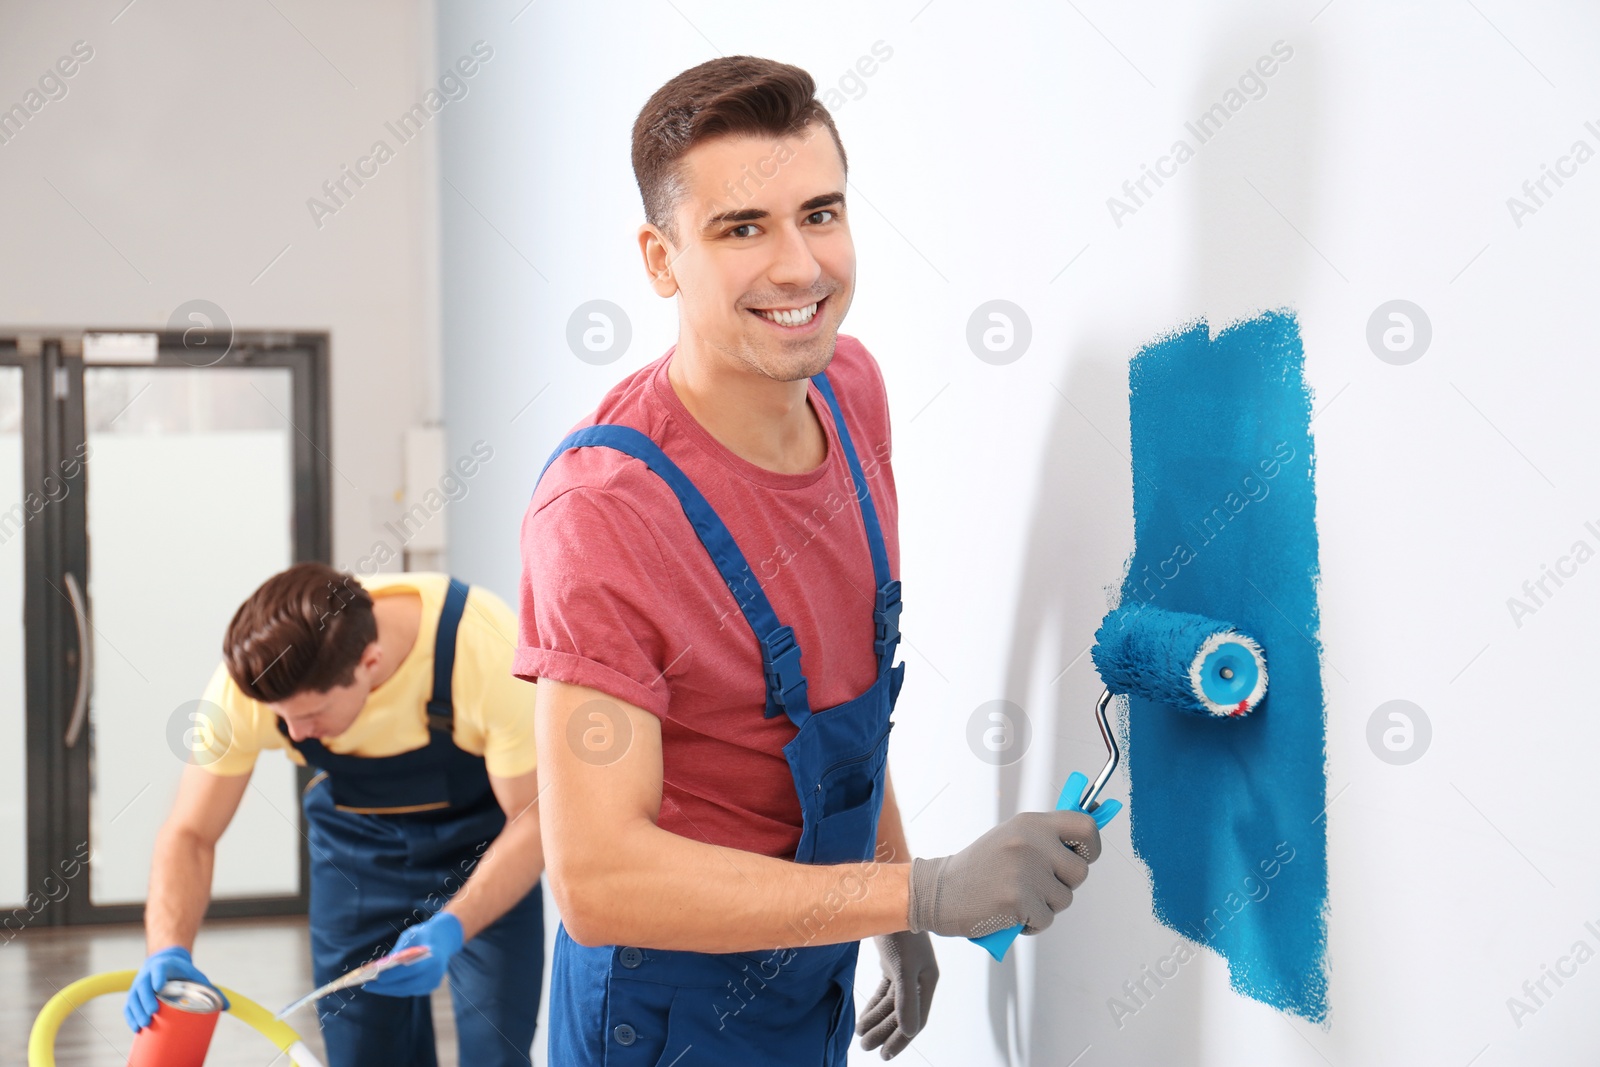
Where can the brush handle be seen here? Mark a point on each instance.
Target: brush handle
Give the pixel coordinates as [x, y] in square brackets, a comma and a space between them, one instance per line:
[998, 942]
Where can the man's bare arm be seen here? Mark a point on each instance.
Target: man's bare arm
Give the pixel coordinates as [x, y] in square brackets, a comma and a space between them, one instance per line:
[892, 846]
[511, 865]
[618, 878]
[185, 849]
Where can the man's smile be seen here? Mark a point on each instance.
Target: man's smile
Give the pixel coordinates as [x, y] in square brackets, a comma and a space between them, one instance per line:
[794, 319]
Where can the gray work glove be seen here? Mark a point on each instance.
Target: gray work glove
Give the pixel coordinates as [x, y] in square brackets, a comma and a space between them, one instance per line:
[1019, 872]
[898, 1009]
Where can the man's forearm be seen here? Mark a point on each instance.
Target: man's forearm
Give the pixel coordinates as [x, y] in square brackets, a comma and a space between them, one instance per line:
[660, 890]
[892, 845]
[502, 877]
[180, 889]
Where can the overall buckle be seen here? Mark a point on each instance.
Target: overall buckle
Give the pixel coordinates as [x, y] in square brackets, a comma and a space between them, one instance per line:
[780, 662]
[441, 717]
[886, 619]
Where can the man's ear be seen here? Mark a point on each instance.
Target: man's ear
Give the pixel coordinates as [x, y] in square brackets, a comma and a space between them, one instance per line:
[371, 657]
[658, 256]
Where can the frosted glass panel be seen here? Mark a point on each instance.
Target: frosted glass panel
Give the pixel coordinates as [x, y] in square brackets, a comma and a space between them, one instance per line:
[190, 500]
[13, 750]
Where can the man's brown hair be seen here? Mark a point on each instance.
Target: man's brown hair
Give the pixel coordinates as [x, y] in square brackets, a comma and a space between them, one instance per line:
[731, 96]
[303, 631]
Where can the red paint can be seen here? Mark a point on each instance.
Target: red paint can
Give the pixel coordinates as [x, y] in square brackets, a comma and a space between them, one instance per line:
[180, 1031]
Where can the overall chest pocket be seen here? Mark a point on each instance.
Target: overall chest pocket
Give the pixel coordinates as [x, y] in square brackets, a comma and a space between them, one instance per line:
[424, 791]
[850, 797]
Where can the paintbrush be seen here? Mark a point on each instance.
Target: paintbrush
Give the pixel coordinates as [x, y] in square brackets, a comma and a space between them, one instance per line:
[360, 976]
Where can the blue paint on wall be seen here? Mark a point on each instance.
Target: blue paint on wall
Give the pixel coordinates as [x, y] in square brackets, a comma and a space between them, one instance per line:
[1229, 814]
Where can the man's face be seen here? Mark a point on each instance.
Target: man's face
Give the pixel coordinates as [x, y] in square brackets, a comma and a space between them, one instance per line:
[329, 713]
[762, 227]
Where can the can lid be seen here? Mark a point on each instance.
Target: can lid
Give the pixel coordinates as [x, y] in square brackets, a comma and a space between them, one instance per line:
[191, 997]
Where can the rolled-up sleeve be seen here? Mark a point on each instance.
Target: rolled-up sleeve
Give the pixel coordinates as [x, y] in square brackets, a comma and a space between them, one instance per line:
[598, 607]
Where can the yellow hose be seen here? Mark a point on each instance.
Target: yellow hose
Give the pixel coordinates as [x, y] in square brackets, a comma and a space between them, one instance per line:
[42, 1041]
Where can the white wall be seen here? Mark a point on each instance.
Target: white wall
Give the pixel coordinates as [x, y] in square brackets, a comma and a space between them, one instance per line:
[1376, 166]
[178, 166]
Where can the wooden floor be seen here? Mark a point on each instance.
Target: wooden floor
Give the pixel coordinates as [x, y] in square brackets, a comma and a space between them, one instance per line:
[269, 960]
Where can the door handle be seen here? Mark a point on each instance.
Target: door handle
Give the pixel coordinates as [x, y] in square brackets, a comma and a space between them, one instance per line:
[80, 701]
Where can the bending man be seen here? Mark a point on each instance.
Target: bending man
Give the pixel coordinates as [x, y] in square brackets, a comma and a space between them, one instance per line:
[397, 689]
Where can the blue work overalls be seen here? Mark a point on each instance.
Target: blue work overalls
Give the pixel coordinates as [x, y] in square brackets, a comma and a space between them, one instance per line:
[391, 839]
[627, 1004]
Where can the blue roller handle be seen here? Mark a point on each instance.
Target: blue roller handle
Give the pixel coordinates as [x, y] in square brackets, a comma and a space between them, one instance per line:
[998, 942]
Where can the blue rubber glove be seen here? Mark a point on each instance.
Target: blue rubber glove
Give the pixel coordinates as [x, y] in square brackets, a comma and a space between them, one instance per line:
[159, 969]
[442, 935]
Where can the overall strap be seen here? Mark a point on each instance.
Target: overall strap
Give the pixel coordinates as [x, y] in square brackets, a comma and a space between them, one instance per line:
[780, 655]
[441, 709]
[886, 599]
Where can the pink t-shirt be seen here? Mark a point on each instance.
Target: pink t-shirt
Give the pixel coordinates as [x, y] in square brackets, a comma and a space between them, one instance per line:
[618, 594]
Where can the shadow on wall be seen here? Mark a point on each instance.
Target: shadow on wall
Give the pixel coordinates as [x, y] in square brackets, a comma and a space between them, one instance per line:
[1246, 257]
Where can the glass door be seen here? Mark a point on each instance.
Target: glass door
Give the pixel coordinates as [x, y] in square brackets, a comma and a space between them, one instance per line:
[190, 507]
[174, 485]
[13, 651]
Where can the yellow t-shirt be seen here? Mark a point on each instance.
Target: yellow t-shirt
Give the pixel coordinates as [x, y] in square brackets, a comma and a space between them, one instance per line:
[493, 707]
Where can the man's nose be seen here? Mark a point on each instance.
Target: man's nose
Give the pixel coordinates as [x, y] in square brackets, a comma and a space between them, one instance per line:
[794, 264]
[298, 732]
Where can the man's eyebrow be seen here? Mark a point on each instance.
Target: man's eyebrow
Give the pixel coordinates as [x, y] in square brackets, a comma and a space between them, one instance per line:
[752, 214]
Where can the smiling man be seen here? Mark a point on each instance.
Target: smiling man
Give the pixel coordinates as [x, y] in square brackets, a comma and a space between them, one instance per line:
[420, 820]
[711, 607]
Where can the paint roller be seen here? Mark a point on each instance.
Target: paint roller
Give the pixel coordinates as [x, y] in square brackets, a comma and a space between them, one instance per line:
[1191, 663]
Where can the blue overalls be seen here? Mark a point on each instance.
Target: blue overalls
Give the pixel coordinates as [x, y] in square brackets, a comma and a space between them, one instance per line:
[624, 1004]
[391, 839]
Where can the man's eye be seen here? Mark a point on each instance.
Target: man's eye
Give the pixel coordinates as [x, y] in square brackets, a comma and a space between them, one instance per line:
[824, 211]
[747, 226]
